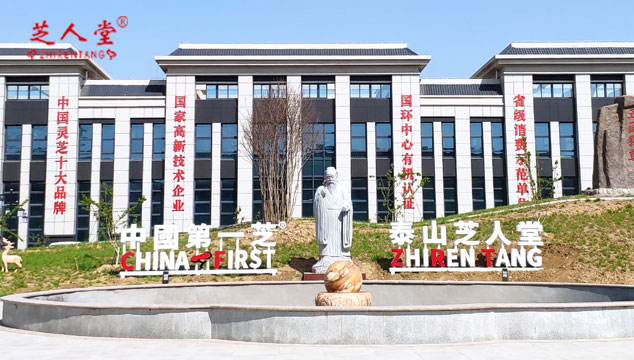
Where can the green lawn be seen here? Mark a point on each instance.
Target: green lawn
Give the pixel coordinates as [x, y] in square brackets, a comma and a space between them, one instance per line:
[585, 241]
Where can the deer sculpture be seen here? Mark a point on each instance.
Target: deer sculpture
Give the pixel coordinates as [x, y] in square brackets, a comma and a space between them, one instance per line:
[9, 259]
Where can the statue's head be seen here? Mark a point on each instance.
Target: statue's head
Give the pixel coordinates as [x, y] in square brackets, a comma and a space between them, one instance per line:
[330, 176]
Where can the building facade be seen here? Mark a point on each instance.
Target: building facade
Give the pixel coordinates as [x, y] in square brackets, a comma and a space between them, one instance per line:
[68, 129]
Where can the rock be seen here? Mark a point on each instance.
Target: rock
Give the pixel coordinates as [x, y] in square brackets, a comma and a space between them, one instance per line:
[614, 149]
[343, 277]
[343, 299]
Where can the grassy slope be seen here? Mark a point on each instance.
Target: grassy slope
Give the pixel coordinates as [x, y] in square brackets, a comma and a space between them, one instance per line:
[585, 241]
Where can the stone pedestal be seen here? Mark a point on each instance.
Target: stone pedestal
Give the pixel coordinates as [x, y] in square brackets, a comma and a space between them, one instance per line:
[343, 299]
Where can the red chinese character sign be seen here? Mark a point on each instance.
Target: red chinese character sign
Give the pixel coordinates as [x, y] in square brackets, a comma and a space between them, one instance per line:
[521, 169]
[230, 253]
[180, 122]
[61, 155]
[179, 151]
[406, 172]
[436, 254]
[103, 32]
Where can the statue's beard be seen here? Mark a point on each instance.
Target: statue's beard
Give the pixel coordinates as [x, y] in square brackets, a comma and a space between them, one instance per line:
[331, 185]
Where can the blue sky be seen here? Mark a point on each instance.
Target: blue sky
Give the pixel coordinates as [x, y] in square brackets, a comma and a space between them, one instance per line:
[460, 35]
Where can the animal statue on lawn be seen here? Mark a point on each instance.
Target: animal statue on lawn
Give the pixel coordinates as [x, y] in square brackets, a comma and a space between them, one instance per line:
[9, 259]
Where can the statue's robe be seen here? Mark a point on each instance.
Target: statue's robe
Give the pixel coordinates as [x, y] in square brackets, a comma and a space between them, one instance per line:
[333, 226]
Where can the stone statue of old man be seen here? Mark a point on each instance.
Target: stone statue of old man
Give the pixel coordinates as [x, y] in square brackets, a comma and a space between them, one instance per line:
[333, 222]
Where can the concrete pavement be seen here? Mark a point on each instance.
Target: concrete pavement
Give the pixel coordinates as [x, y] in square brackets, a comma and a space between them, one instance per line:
[33, 345]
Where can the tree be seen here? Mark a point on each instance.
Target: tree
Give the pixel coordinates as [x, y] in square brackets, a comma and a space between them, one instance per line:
[5, 217]
[536, 184]
[388, 193]
[279, 139]
[109, 224]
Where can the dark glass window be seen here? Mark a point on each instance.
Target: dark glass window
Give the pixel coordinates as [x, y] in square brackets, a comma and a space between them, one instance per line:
[222, 91]
[202, 201]
[315, 166]
[567, 140]
[85, 142]
[13, 143]
[271, 90]
[229, 141]
[555, 90]
[228, 195]
[383, 199]
[477, 149]
[36, 213]
[606, 89]
[203, 141]
[316, 90]
[157, 202]
[158, 142]
[451, 196]
[429, 199]
[136, 142]
[448, 140]
[384, 140]
[107, 142]
[375, 91]
[135, 192]
[27, 92]
[357, 140]
[542, 139]
[478, 193]
[38, 142]
[11, 192]
[497, 139]
[427, 139]
[83, 215]
[570, 186]
[258, 211]
[499, 191]
[359, 197]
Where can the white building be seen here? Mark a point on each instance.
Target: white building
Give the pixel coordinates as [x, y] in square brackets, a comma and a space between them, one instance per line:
[67, 128]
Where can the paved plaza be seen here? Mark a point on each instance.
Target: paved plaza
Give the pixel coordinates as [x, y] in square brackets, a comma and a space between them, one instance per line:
[34, 345]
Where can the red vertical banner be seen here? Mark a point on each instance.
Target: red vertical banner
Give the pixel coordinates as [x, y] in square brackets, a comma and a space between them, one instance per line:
[521, 172]
[407, 172]
[61, 154]
[178, 160]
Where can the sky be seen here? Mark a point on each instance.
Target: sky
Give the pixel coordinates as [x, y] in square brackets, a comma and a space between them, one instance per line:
[459, 35]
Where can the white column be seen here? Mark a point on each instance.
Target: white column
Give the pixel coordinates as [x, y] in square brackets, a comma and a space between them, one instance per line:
[25, 185]
[488, 164]
[629, 84]
[179, 85]
[407, 85]
[245, 166]
[121, 165]
[585, 135]
[517, 85]
[342, 130]
[370, 136]
[294, 86]
[463, 160]
[66, 87]
[438, 170]
[146, 209]
[216, 129]
[95, 179]
[555, 154]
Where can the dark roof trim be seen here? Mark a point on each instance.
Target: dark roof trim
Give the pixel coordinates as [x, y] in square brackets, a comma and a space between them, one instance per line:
[123, 90]
[460, 89]
[294, 52]
[510, 50]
